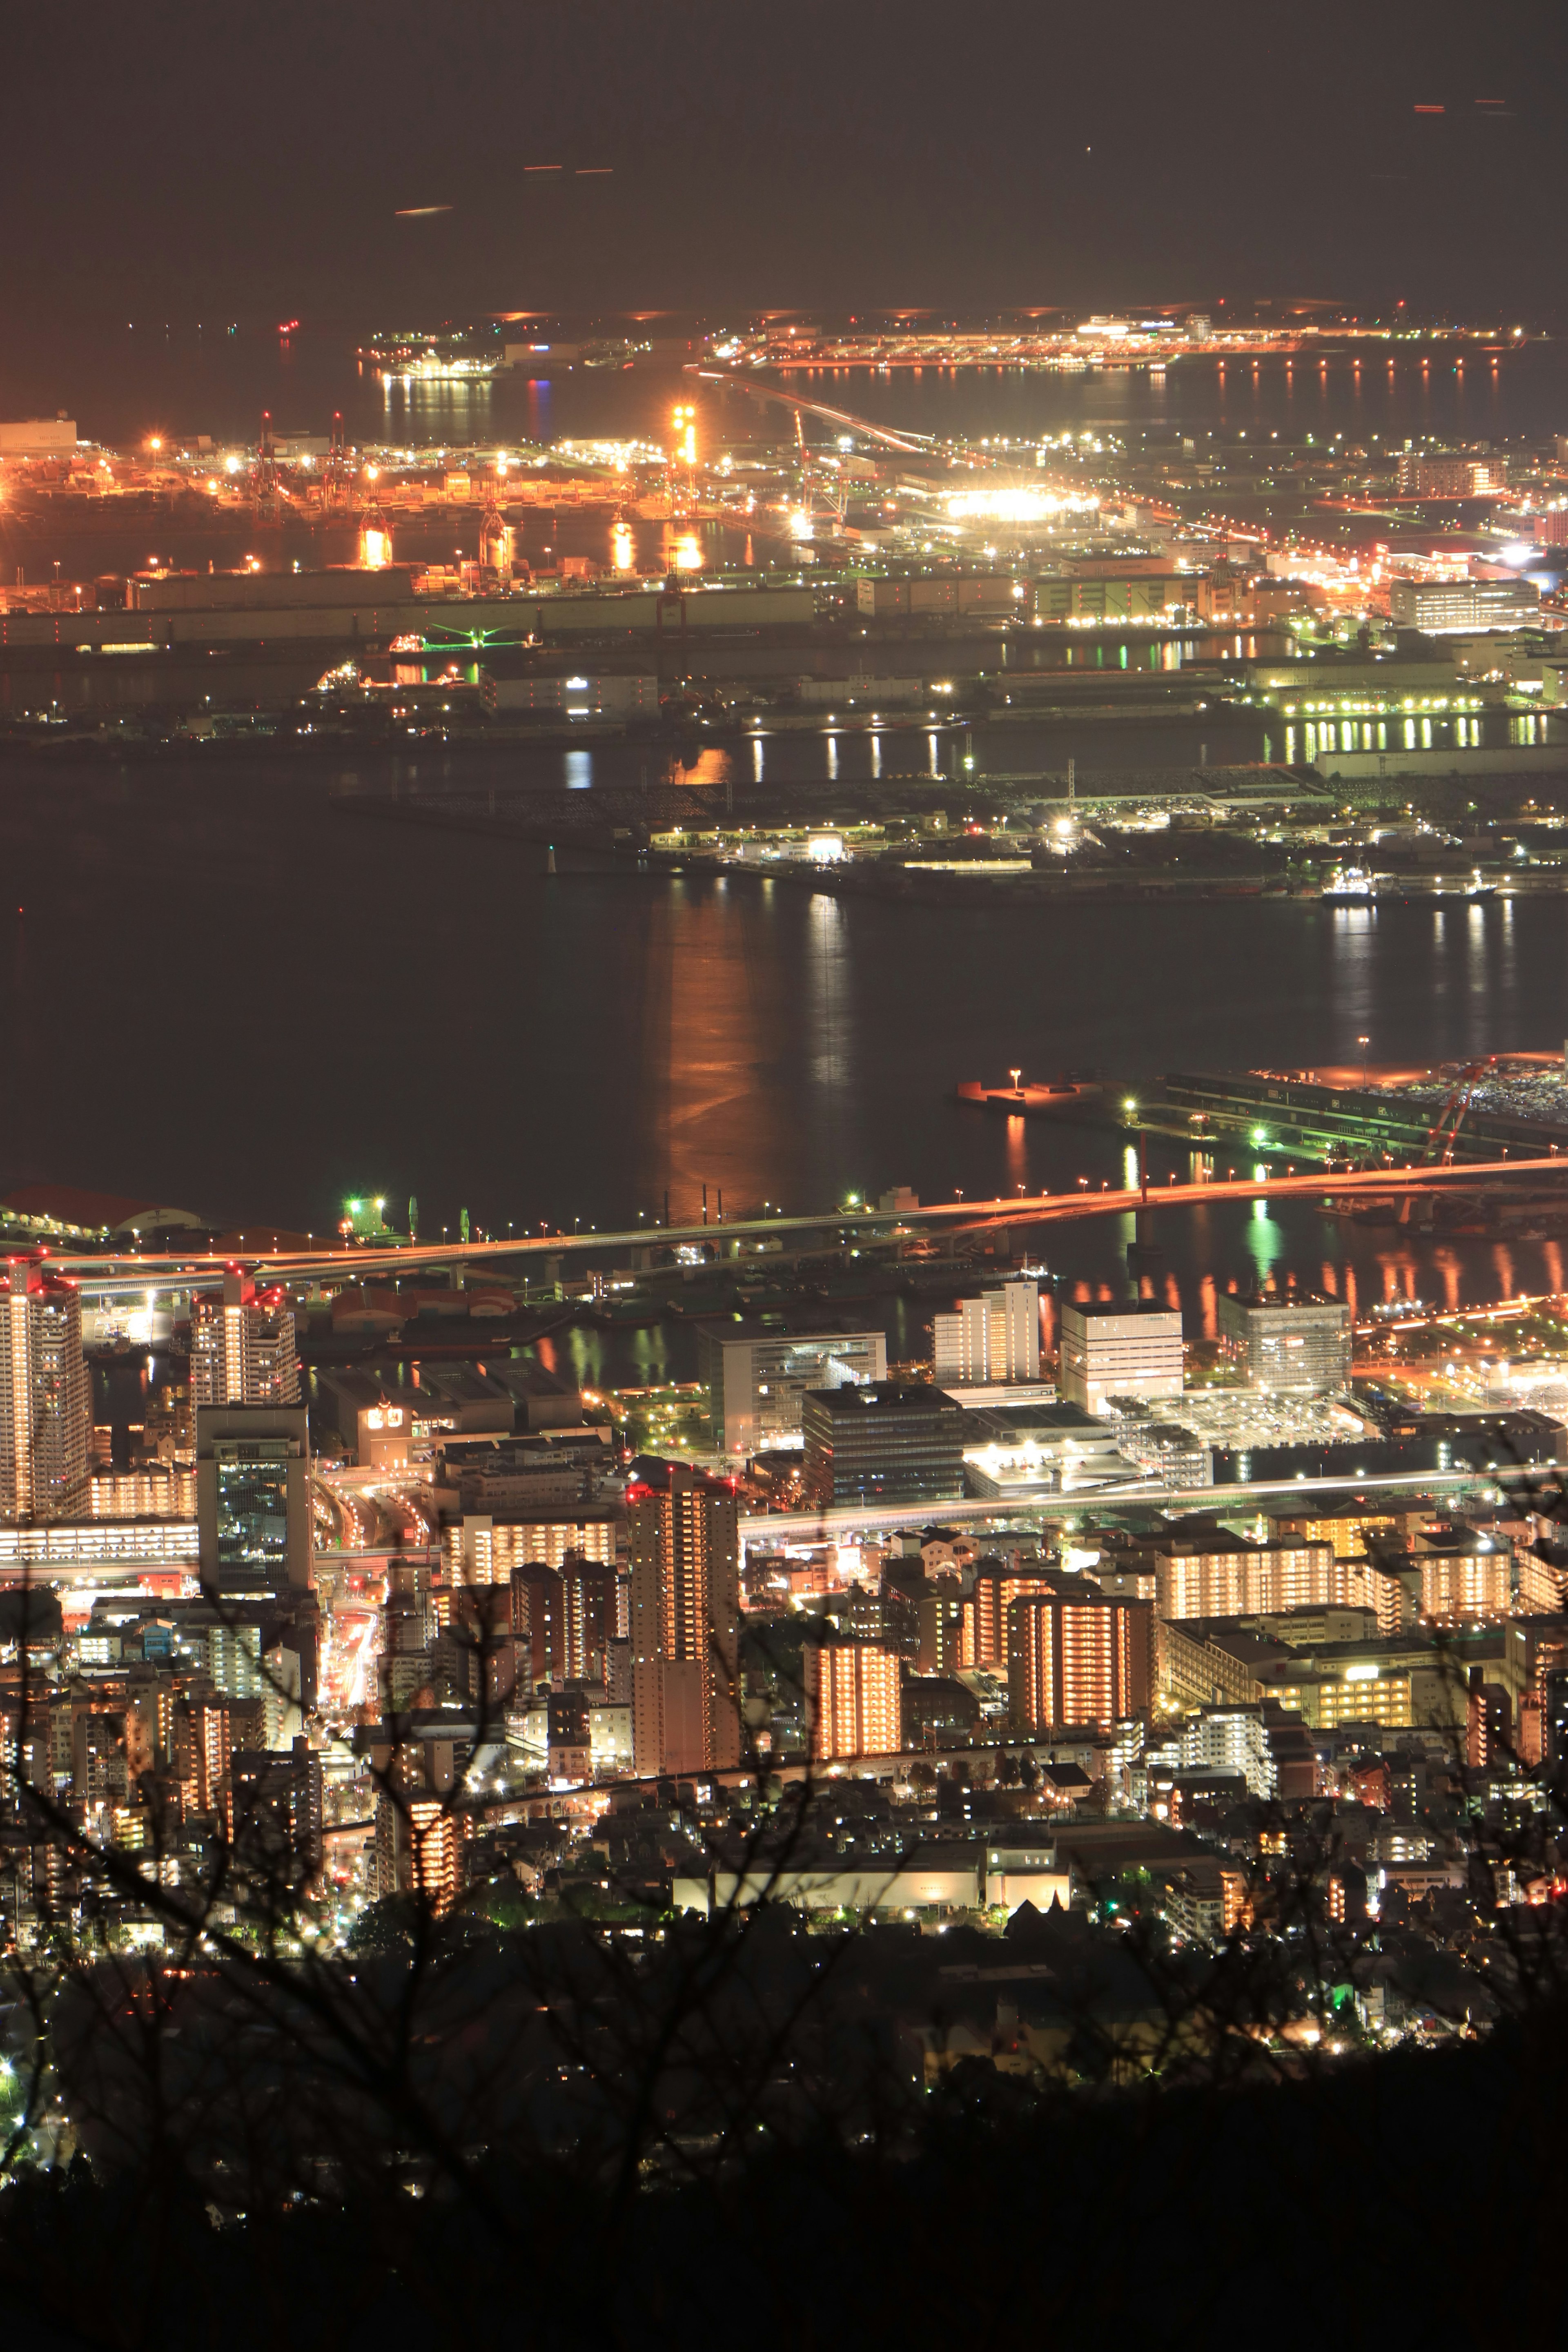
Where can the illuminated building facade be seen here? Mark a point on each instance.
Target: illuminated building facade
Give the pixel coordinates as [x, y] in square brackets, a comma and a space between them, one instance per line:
[1289, 1346]
[883, 1443]
[983, 1639]
[1473, 1582]
[242, 1346]
[853, 1699]
[419, 1847]
[1120, 1351]
[480, 1548]
[1243, 1579]
[684, 1544]
[757, 1379]
[992, 1339]
[566, 1618]
[1076, 1660]
[45, 1403]
[253, 1500]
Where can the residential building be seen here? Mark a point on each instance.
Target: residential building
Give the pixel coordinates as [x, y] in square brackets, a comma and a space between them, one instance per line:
[242, 1346]
[1287, 1344]
[1466, 1580]
[1078, 1658]
[1228, 1739]
[756, 1378]
[484, 1548]
[683, 1541]
[988, 1340]
[853, 1699]
[1218, 1574]
[983, 1641]
[46, 1400]
[1125, 1350]
[274, 1814]
[566, 1617]
[419, 1847]
[253, 1500]
[883, 1442]
[1449, 477]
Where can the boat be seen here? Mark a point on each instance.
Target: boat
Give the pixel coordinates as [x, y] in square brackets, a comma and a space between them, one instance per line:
[1352, 885]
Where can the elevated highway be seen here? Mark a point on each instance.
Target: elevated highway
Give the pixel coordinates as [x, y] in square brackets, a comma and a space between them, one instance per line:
[127, 1273]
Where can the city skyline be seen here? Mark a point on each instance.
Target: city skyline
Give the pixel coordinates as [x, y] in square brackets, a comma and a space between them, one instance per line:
[783, 1333]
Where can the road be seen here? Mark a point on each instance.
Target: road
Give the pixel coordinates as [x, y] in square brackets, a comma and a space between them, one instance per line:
[843, 1520]
[114, 1274]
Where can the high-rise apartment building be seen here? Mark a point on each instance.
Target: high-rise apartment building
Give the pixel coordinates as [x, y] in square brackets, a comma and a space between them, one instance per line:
[983, 1640]
[1289, 1346]
[756, 1378]
[566, 1617]
[853, 1699]
[990, 1339]
[252, 1499]
[419, 1842]
[1223, 1575]
[1109, 1351]
[242, 1346]
[1078, 1658]
[683, 1541]
[46, 1400]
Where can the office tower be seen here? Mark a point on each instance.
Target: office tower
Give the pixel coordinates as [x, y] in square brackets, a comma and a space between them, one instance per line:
[853, 1699]
[684, 1543]
[1289, 1346]
[883, 1442]
[46, 1400]
[1079, 1659]
[252, 1499]
[990, 1339]
[1120, 1351]
[242, 1345]
[757, 1378]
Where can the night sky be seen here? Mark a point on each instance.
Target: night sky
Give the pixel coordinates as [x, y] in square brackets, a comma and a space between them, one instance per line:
[197, 159]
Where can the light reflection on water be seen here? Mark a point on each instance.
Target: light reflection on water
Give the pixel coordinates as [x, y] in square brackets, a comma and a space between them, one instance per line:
[604, 1038]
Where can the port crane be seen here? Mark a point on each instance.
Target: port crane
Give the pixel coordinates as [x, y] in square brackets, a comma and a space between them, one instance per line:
[1443, 1135]
[337, 482]
[1444, 1132]
[264, 481]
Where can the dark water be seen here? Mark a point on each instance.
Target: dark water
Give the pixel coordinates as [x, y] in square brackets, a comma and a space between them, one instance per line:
[143, 380]
[222, 993]
[225, 995]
